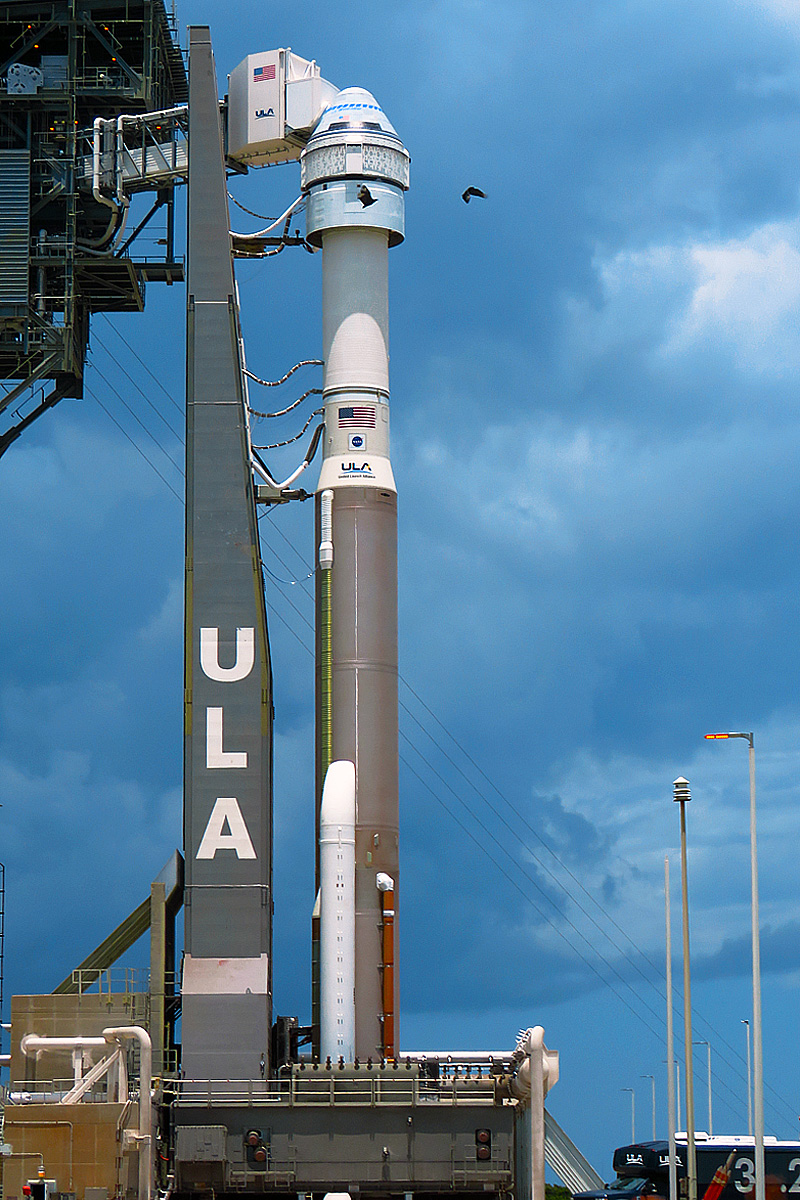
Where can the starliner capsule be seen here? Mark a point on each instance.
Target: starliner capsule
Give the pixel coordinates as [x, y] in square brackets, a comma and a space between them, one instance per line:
[354, 174]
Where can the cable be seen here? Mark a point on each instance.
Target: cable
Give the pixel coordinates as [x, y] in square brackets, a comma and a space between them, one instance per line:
[277, 445]
[285, 216]
[137, 448]
[283, 411]
[124, 402]
[176, 433]
[249, 211]
[143, 364]
[288, 582]
[304, 362]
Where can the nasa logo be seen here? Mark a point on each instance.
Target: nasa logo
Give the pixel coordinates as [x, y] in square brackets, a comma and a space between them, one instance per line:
[264, 112]
[357, 441]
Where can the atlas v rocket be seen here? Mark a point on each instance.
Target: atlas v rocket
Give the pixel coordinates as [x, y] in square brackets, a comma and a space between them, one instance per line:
[354, 173]
[354, 170]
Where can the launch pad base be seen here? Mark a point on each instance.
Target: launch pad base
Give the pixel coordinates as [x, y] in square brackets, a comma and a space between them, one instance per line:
[384, 1131]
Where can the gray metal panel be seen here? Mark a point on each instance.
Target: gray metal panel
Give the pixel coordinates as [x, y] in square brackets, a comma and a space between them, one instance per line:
[419, 1147]
[15, 206]
[227, 802]
[203, 1143]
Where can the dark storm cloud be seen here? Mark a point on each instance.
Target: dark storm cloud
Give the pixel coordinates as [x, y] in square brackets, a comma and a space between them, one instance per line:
[595, 440]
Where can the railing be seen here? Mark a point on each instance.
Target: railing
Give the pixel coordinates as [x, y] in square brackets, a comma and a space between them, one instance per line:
[380, 1087]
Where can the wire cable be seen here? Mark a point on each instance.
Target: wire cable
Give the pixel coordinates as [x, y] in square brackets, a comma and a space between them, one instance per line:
[136, 447]
[283, 411]
[304, 362]
[277, 445]
[138, 421]
[175, 432]
[143, 364]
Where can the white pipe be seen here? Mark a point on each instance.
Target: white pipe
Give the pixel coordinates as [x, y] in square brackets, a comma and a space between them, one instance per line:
[458, 1056]
[536, 1076]
[32, 1044]
[277, 221]
[337, 926]
[140, 1035]
[255, 464]
[135, 119]
[326, 530]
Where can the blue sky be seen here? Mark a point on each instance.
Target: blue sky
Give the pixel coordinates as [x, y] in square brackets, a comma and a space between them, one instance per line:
[595, 439]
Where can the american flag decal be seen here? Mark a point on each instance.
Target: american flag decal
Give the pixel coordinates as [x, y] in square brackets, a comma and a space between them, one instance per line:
[360, 416]
[260, 74]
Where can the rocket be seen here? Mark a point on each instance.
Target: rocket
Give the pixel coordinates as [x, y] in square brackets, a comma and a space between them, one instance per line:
[354, 173]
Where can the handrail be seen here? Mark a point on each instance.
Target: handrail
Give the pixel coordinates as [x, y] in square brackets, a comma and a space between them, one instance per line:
[377, 1088]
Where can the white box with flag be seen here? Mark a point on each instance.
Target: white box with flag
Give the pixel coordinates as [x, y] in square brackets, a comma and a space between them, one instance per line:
[275, 99]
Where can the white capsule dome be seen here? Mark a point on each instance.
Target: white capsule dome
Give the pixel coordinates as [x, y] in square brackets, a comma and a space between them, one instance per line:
[354, 108]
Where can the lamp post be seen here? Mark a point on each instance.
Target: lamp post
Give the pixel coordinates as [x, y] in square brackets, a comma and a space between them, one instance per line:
[673, 1166]
[707, 1045]
[749, 1083]
[633, 1112]
[758, 1058]
[681, 795]
[652, 1079]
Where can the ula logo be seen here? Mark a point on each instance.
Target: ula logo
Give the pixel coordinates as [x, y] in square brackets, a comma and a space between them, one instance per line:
[365, 468]
[264, 112]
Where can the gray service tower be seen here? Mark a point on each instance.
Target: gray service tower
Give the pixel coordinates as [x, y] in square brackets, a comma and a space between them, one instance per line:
[226, 993]
[354, 173]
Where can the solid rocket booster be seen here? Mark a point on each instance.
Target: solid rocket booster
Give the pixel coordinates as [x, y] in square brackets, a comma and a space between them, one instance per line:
[354, 174]
[337, 847]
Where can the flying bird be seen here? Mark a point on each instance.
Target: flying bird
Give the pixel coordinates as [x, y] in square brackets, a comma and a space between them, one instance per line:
[365, 196]
[470, 192]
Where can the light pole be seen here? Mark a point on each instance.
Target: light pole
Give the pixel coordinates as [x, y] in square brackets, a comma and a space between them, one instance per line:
[681, 795]
[707, 1045]
[652, 1079]
[633, 1112]
[749, 1083]
[673, 1166]
[758, 1058]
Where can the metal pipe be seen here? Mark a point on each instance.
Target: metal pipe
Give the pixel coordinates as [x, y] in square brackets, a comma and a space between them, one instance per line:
[137, 1033]
[682, 795]
[633, 1111]
[652, 1079]
[758, 1059]
[32, 1044]
[749, 1082]
[673, 1165]
[537, 1085]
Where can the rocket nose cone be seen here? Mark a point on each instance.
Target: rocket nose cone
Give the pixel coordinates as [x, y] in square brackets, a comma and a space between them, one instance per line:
[339, 794]
[354, 108]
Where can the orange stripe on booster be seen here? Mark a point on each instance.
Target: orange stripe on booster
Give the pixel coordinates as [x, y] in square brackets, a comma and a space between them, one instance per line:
[387, 912]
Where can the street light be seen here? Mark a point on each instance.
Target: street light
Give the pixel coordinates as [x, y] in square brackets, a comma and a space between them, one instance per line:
[749, 1084]
[633, 1112]
[673, 1166]
[652, 1079]
[681, 795]
[708, 1047]
[758, 1058]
